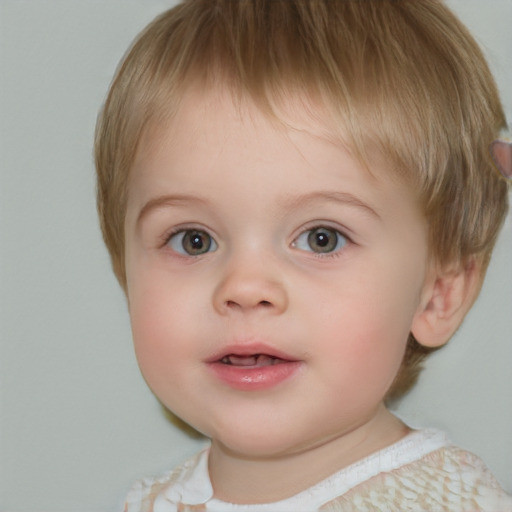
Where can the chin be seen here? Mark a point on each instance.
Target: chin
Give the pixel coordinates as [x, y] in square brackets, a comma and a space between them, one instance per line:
[255, 445]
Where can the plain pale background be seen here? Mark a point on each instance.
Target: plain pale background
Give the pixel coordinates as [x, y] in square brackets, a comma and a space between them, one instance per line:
[77, 422]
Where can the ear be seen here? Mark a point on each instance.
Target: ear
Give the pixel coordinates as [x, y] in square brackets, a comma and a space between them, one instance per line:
[447, 297]
[501, 152]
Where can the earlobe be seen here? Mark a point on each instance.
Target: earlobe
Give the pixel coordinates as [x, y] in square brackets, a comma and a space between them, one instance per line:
[447, 298]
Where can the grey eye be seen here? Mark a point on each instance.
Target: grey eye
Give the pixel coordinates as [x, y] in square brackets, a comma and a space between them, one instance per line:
[320, 240]
[192, 242]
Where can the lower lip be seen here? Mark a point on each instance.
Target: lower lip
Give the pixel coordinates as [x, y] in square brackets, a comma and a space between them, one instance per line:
[254, 378]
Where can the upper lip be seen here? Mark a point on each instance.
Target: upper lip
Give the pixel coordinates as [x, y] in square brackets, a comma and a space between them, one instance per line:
[249, 349]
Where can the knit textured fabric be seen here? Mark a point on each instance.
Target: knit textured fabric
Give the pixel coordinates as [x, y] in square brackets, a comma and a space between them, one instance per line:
[419, 473]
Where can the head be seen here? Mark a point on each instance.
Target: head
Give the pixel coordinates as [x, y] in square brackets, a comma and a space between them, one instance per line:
[401, 82]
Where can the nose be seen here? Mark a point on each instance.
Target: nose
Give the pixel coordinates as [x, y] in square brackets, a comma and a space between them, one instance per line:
[250, 286]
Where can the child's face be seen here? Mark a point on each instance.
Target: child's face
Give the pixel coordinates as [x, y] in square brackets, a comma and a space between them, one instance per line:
[249, 244]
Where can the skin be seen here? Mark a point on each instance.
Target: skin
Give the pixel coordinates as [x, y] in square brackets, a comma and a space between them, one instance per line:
[258, 189]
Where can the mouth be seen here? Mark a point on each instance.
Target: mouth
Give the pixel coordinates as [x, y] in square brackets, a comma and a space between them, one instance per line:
[253, 368]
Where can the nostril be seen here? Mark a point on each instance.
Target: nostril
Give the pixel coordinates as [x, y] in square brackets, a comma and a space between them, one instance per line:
[233, 303]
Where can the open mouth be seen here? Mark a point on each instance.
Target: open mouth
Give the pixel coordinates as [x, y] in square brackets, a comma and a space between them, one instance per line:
[254, 368]
[254, 360]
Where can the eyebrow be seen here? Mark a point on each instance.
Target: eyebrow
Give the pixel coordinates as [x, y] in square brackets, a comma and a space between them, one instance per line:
[291, 203]
[344, 198]
[167, 200]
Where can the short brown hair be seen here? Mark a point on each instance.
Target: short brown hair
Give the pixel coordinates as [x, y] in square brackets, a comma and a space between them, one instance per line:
[404, 77]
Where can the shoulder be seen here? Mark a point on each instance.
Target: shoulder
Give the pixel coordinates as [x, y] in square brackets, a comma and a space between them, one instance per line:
[447, 479]
[141, 496]
[145, 492]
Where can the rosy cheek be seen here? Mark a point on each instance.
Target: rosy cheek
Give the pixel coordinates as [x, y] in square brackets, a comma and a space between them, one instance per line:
[148, 331]
[370, 346]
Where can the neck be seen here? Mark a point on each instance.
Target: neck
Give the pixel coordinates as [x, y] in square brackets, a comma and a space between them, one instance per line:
[243, 480]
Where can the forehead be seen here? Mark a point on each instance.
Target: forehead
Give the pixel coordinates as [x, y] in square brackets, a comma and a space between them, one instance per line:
[217, 107]
[213, 133]
[204, 116]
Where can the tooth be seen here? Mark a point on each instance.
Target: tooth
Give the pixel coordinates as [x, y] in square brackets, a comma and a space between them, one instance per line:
[243, 360]
[250, 360]
[265, 360]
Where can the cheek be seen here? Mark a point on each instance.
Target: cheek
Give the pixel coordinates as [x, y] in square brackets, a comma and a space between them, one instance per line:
[367, 351]
[365, 330]
[157, 316]
[152, 343]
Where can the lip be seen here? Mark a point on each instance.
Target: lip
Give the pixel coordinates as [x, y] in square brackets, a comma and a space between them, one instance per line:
[252, 377]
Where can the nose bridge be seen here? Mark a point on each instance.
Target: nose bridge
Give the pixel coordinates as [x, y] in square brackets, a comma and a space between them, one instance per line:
[250, 280]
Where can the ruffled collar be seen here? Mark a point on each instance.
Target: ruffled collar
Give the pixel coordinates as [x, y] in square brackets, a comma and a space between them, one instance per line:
[193, 489]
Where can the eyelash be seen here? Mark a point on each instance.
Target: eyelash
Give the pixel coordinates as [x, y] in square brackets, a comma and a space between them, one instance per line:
[341, 241]
[183, 231]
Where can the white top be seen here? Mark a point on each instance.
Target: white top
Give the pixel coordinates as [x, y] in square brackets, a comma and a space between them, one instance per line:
[420, 472]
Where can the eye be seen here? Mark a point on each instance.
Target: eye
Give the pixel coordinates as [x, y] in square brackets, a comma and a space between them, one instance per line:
[320, 240]
[192, 242]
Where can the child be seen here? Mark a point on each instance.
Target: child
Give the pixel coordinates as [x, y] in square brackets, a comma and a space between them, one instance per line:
[300, 204]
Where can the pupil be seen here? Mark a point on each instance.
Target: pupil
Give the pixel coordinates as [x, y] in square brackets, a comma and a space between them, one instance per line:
[197, 241]
[322, 239]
